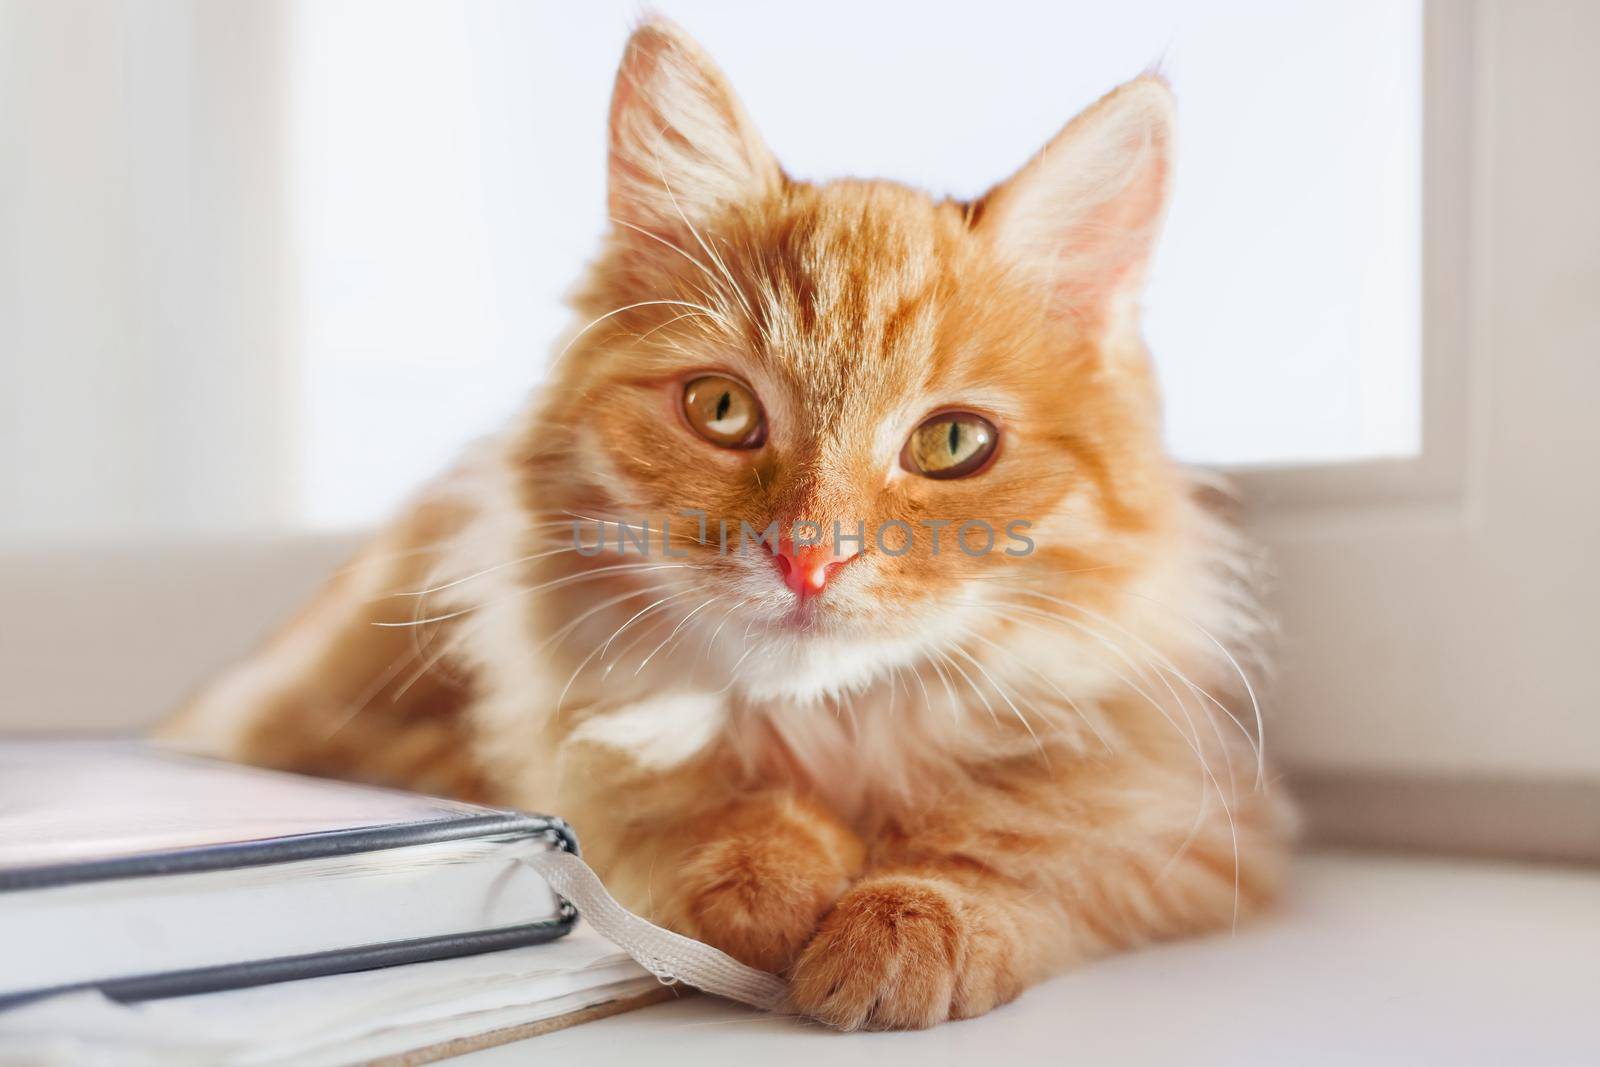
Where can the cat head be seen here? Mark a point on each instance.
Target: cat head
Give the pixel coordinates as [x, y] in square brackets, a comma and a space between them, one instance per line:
[950, 397]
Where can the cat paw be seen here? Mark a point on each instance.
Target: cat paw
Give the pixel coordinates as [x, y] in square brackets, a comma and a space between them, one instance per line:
[901, 952]
[758, 890]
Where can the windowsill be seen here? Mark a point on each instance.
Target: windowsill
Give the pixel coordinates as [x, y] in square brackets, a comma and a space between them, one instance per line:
[1372, 959]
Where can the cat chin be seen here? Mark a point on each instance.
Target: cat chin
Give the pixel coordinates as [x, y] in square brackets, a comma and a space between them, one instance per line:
[800, 689]
[805, 663]
[806, 669]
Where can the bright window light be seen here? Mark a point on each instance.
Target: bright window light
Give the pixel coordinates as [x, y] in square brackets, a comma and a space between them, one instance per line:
[448, 184]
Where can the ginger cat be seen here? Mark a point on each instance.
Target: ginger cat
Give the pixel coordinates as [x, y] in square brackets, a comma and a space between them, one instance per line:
[911, 772]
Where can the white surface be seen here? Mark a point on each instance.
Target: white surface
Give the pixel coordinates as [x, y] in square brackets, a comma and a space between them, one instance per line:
[340, 1019]
[1374, 960]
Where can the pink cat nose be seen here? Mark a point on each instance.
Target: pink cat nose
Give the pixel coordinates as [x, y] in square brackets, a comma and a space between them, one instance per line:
[806, 569]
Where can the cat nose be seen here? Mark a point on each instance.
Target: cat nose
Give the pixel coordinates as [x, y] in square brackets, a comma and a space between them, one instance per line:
[807, 569]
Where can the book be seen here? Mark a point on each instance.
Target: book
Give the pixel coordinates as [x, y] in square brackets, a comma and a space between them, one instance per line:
[131, 875]
[159, 907]
[410, 1014]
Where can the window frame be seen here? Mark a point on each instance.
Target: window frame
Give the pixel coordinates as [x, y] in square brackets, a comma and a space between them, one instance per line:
[1438, 474]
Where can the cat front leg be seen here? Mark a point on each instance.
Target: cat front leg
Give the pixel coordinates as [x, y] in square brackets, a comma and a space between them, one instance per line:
[760, 876]
[1022, 874]
[750, 871]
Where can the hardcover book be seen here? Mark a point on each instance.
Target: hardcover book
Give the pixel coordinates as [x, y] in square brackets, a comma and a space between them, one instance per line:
[137, 883]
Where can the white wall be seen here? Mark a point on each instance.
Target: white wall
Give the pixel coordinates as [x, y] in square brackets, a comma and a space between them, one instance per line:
[143, 284]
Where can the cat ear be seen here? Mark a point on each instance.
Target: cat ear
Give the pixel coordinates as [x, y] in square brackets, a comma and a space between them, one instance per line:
[681, 146]
[1083, 215]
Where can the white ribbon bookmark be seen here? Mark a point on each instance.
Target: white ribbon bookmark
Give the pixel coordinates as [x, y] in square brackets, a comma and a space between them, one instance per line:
[669, 956]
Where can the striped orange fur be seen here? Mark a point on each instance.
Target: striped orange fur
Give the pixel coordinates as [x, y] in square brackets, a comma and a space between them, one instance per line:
[946, 775]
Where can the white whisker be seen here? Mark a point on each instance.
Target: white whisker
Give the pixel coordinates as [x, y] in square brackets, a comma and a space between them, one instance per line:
[675, 630]
[553, 584]
[1000, 690]
[601, 649]
[630, 307]
[1256, 742]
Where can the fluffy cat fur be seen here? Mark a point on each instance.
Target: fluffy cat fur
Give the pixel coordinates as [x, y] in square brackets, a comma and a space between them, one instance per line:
[946, 776]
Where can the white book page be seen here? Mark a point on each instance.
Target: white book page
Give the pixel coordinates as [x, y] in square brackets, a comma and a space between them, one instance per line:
[339, 1018]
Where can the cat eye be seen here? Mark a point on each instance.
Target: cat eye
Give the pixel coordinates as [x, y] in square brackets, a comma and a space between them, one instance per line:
[951, 444]
[724, 412]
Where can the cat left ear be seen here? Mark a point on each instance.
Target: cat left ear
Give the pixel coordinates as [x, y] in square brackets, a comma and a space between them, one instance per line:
[1083, 215]
[681, 146]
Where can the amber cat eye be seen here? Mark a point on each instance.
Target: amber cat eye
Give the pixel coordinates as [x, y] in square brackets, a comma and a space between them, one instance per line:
[724, 412]
[951, 444]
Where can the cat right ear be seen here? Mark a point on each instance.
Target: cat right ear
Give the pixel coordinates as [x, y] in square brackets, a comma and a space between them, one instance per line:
[681, 146]
[1083, 214]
